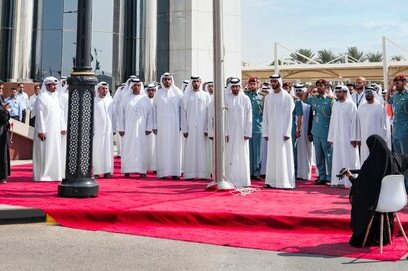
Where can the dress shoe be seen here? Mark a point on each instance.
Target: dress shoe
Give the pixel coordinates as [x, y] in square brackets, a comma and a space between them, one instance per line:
[321, 182]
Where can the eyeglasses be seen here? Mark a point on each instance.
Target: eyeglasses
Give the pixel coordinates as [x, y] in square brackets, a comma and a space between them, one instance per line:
[167, 79]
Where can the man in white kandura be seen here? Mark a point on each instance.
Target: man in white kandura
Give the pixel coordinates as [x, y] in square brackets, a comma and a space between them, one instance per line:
[238, 131]
[104, 115]
[372, 121]
[151, 138]
[166, 126]
[343, 135]
[49, 126]
[194, 123]
[276, 129]
[133, 126]
[304, 146]
[121, 92]
[63, 93]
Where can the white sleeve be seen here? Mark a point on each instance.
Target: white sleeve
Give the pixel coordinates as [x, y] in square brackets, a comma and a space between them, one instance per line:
[39, 120]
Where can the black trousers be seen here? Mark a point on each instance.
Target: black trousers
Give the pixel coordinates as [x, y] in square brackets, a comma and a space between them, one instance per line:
[24, 113]
[32, 122]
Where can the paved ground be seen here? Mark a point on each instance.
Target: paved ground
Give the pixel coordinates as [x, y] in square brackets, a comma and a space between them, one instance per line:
[40, 246]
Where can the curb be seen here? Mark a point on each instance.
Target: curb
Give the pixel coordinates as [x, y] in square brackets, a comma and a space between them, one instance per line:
[17, 214]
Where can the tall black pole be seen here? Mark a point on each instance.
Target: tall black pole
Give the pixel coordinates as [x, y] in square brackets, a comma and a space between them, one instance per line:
[79, 181]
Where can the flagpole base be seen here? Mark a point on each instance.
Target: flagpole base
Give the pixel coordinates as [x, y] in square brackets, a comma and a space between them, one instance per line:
[211, 186]
[225, 185]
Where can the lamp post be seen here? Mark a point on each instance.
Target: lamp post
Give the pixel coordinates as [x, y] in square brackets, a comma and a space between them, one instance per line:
[79, 181]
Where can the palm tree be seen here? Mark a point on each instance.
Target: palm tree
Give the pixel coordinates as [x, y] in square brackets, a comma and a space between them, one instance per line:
[398, 58]
[300, 59]
[355, 54]
[325, 56]
[374, 56]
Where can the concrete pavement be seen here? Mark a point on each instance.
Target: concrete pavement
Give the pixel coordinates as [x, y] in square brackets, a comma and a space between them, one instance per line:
[44, 247]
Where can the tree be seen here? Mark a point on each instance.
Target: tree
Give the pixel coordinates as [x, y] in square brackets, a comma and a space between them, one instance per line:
[355, 54]
[374, 56]
[398, 58]
[325, 56]
[300, 59]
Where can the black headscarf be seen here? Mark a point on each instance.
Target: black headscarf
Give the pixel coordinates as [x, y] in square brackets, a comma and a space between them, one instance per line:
[366, 187]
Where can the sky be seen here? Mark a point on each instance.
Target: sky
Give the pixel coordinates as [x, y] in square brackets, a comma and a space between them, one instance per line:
[318, 24]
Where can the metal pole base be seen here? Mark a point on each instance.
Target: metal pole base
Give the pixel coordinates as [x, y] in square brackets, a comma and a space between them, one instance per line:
[84, 188]
[225, 185]
[211, 186]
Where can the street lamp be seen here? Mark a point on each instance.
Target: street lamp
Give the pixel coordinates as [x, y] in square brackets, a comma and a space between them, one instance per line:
[79, 181]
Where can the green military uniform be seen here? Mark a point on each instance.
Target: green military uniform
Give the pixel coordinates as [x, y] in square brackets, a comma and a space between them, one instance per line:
[298, 111]
[256, 139]
[399, 102]
[321, 106]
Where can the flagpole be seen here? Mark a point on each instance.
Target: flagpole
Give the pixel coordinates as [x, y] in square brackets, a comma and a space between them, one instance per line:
[219, 161]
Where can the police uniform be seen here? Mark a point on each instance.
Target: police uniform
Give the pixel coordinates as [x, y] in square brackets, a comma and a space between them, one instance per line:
[399, 102]
[298, 111]
[256, 139]
[321, 106]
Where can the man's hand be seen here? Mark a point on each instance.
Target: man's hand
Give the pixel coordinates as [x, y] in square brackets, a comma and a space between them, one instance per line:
[266, 138]
[353, 143]
[227, 138]
[185, 135]
[297, 134]
[148, 132]
[211, 137]
[205, 134]
[42, 136]
[121, 133]
[246, 137]
[64, 132]
[285, 138]
[155, 131]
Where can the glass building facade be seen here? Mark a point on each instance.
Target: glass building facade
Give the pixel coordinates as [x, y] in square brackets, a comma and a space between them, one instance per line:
[119, 38]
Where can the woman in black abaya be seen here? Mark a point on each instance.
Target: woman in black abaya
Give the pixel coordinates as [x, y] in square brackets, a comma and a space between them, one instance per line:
[366, 188]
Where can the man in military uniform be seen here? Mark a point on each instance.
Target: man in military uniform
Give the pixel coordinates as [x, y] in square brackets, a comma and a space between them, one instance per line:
[321, 105]
[256, 139]
[397, 96]
[297, 120]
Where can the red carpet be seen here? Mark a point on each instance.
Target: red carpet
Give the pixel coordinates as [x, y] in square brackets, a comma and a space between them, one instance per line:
[311, 219]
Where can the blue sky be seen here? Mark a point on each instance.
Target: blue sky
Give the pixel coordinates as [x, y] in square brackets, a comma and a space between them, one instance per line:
[329, 24]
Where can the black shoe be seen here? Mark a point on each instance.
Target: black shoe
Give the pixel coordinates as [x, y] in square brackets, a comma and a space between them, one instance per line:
[3, 181]
[142, 175]
[321, 182]
[256, 178]
[175, 177]
[267, 186]
[107, 175]
[96, 176]
[127, 175]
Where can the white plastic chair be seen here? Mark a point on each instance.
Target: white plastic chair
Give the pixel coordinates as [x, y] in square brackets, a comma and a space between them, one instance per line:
[393, 197]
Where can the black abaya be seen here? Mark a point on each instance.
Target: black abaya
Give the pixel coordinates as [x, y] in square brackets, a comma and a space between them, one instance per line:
[366, 190]
[4, 147]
